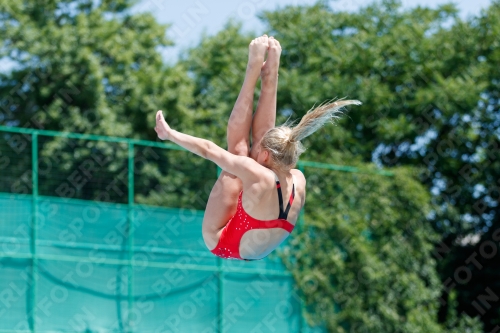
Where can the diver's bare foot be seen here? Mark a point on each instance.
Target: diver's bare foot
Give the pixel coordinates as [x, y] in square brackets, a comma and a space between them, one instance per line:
[270, 67]
[256, 53]
[162, 129]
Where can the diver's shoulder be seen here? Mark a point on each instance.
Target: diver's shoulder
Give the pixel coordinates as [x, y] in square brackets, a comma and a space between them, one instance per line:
[299, 175]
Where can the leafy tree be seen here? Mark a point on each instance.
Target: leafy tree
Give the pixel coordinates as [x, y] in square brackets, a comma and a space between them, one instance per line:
[91, 67]
[429, 83]
[364, 261]
[423, 77]
[80, 66]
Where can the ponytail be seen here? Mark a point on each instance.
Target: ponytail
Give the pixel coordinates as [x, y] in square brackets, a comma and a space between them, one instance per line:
[283, 142]
[314, 119]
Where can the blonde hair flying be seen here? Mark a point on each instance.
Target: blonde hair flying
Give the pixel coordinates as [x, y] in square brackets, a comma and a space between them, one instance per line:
[283, 142]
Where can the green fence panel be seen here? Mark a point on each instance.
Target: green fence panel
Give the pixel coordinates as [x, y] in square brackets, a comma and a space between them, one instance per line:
[101, 234]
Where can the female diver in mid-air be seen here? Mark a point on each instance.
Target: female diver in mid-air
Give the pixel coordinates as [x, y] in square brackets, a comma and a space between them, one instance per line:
[245, 218]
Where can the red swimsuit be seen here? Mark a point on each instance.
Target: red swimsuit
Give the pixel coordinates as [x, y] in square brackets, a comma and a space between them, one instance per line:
[230, 238]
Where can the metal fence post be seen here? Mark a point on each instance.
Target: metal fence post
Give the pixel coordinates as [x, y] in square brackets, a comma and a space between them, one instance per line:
[220, 309]
[130, 233]
[220, 275]
[34, 227]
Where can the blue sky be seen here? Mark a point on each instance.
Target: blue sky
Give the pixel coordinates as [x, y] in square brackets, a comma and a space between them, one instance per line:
[191, 18]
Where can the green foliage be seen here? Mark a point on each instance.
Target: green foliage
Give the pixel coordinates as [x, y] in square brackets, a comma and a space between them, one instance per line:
[429, 84]
[90, 67]
[82, 69]
[363, 260]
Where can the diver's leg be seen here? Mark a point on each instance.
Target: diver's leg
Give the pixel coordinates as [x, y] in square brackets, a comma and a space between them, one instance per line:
[240, 120]
[222, 202]
[265, 115]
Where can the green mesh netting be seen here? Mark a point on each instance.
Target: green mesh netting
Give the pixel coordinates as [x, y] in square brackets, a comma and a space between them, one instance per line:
[104, 235]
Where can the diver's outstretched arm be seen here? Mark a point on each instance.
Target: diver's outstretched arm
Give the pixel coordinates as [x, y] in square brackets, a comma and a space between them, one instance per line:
[242, 167]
